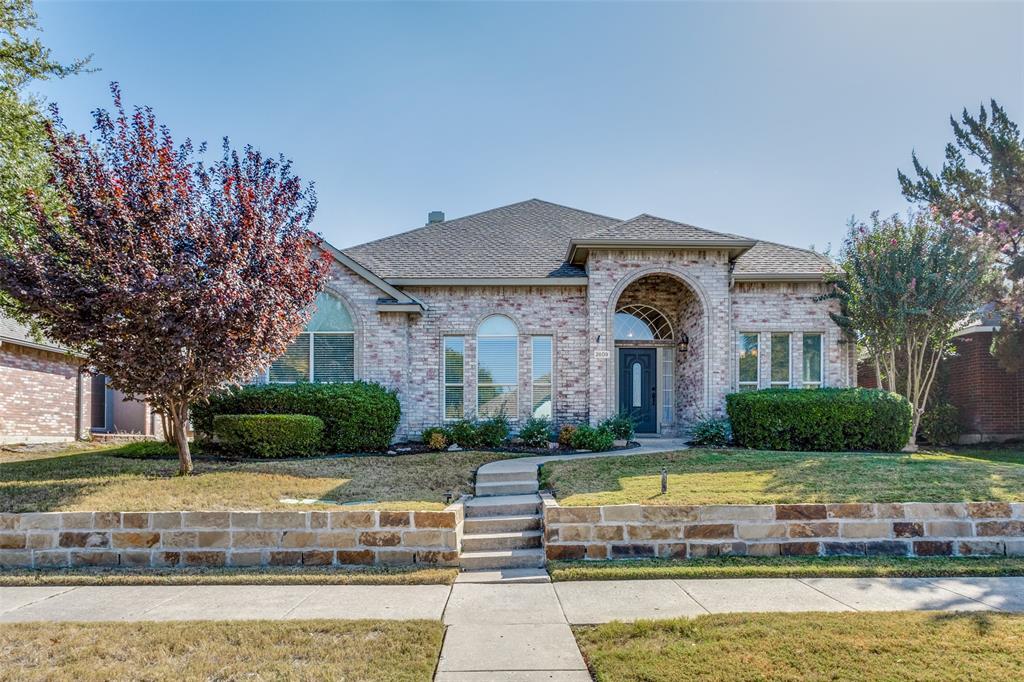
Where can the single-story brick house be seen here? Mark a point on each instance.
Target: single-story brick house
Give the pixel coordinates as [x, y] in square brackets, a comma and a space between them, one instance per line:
[540, 309]
[47, 395]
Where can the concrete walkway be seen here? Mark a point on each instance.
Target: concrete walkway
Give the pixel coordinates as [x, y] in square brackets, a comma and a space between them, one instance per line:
[512, 630]
[529, 465]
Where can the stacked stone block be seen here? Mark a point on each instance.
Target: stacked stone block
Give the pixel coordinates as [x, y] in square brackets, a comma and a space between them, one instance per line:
[856, 529]
[235, 538]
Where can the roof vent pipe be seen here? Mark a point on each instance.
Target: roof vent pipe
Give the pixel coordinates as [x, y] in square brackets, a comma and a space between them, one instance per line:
[435, 217]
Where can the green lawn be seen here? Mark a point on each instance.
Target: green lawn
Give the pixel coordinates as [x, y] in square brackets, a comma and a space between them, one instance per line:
[268, 575]
[759, 477]
[129, 478]
[786, 567]
[809, 646]
[383, 651]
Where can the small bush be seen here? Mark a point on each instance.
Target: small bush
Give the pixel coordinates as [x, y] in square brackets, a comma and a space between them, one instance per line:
[824, 419]
[148, 449]
[589, 438]
[536, 432]
[464, 434]
[939, 425]
[565, 435]
[712, 433]
[492, 432]
[268, 435]
[436, 437]
[357, 417]
[622, 426]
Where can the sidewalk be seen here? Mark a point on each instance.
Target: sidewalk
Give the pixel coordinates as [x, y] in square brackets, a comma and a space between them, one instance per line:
[511, 631]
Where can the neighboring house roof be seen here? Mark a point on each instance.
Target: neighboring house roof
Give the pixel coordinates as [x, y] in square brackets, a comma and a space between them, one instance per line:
[538, 241]
[14, 332]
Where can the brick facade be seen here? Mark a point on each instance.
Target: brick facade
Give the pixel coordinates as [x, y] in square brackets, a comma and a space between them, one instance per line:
[692, 287]
[990, 399]
[41, 393]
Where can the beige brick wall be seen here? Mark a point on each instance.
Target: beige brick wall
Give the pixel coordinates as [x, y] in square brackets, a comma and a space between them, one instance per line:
[679, 532]
[38, 395]
[222, 538]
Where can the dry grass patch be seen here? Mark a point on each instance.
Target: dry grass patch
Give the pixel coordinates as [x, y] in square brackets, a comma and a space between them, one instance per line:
[128, 478]
[760, 477]
[271, 575]
[384, 651]
[787, 567]
[809, 646]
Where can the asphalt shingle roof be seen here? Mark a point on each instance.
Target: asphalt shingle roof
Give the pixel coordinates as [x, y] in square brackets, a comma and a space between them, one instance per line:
[15, 332]
[529, 239]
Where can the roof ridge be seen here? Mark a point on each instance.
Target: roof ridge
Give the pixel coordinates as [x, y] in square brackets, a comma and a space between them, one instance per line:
[668, 220]
[473, 215]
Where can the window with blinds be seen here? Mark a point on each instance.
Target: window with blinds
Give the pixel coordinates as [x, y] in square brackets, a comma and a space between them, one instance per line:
[324, 352]
[543, 371]
[668, 366]
[454, 376]
[812, 361]
[780, 360]
[497, 376]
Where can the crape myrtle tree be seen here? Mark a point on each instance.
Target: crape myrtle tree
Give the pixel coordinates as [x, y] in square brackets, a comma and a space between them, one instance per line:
[171, 276]
[981, 188]
[906, 288]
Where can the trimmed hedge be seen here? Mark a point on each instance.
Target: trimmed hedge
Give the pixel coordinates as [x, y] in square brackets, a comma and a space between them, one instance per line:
[824, 419]
[268, 435]
[357, 417]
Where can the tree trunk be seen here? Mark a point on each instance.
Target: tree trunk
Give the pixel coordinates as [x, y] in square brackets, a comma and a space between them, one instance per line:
[179, 417]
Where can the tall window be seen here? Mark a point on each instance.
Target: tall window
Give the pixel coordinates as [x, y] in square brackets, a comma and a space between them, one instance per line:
[454, 376]
[497, 372]
[668, 362]
[748, 374]
[812, 361]
[542, 373]
[780, 360]
[324, 352]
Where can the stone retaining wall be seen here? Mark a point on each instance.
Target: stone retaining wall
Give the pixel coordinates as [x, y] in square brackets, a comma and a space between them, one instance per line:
[910, 529]
[237, 538]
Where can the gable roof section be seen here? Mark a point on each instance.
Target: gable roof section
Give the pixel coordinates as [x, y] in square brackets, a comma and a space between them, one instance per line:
[525, 240]
[16, 333]
[651, 231]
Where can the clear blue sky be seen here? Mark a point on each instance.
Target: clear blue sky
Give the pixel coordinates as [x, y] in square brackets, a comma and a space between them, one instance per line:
[776, 121]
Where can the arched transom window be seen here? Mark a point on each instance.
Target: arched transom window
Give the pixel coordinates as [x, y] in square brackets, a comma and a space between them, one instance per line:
[324, 352]
[497, 359]
[640, 322]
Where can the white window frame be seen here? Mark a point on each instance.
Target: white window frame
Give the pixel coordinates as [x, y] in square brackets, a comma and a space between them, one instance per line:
[821, 360]
[789, 360]
[668, 380]
[514, 417]
[445, 385]
[756, 383]
[534, 384]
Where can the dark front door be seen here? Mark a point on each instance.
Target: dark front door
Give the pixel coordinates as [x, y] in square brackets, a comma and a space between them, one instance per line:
[638, 387]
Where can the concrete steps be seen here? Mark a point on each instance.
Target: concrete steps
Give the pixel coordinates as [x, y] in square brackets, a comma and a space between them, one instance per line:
[502, 505]
[502, 524]
[487, 542]
[507, 558]
[498, 488]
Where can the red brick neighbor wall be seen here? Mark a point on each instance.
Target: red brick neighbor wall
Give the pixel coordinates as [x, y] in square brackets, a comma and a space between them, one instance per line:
[990, 400]
[39, 396]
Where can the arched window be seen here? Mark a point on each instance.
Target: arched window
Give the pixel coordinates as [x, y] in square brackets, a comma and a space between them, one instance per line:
[324, 352]
[497, 373]
[641, 323]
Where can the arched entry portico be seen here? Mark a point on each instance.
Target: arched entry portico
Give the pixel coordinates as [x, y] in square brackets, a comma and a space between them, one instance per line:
[658, 336]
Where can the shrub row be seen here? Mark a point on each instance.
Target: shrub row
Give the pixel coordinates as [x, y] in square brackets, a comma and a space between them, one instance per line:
[357, 417]
[268, 435]
[826, 419]
[536, 433]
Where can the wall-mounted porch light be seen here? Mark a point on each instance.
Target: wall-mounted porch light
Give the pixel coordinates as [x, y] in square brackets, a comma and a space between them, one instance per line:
[684, 342]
